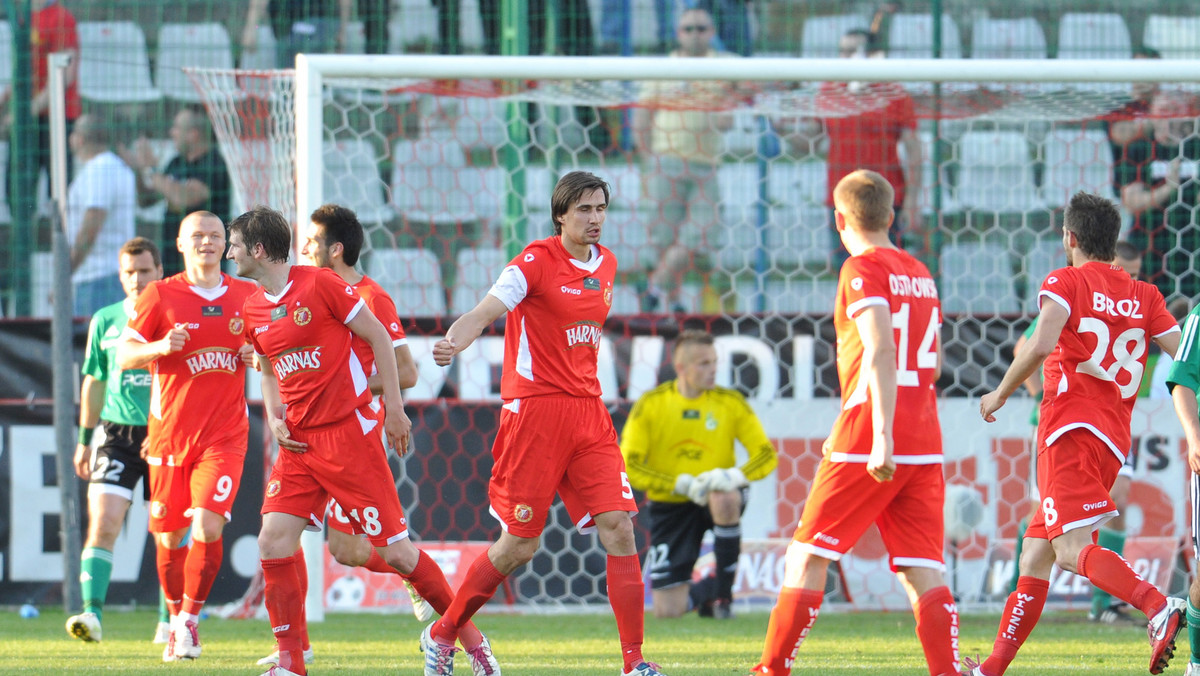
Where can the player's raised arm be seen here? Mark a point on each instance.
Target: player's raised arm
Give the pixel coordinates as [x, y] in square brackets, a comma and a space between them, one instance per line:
[1050, 323]
[467, 328]
[398, 426]
[135, 354]
[874, 325]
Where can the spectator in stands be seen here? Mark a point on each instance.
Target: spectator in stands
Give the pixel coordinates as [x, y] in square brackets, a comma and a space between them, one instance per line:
[51, 29]
[309, 26]
[573, 27]
[866, 124]
[681, 151]
[100, 216]
[196, 179]
[375, 16]
[617, 20]
[1157, 181]
[1131, 122]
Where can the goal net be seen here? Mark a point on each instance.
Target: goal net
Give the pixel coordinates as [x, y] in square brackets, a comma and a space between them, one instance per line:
[726, 165]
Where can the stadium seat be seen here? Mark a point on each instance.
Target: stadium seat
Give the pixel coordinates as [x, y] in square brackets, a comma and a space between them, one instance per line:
[977, 278]
[791, 296]
[798, 231]
[204, 45]
[626, 234]
[413, 22]
[625, 301]
[911, 37]
[471, 31]
[263, 56]
[1021, 38]
[477, 270]
[820, 36]
[928, 177]
[114, 66]
[352, 180]
[1093, 36]
[995, 172]
[1176, 37]
[412, 278]
[41, 282]
[1076, 160]
[6, 55]
[480, 122]
[1043, 257]
[431, 182]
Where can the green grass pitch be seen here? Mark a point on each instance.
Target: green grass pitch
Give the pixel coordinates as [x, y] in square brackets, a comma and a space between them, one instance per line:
[570, 645]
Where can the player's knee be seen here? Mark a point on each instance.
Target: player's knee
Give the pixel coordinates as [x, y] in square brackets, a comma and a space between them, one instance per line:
[103, 532]
[352, 554]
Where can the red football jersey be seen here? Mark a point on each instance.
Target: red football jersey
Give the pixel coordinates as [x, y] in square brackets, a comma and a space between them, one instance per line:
[381, 305]
[864, 129]
[556, 311]
[894, 279]
[1093, 375]
[303, 333]
[197, 395]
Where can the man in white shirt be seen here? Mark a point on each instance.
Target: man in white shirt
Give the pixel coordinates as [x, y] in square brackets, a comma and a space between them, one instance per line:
[101, 206]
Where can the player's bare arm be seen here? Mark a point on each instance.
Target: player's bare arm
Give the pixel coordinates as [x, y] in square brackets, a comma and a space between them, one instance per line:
[1189, 418]
[273, 403]
[467, 328]
[1051, 321]
[874, 326]
[396, 423]
[1033, 384]
[406, 372]
[91, 402]
[135, 354]
[1169, 342]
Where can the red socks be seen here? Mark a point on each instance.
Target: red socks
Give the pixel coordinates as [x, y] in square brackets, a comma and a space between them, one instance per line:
[793, 617]
[302, 580]
[1111, 573]
[1020, 616]
[170, 563]
[478, 586]
[627, 596]
[285, 605]
[199, 573]
[937, 627]
[376, 564]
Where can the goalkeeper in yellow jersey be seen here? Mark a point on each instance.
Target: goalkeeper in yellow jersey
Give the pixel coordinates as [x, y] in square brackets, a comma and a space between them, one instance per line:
[678, 448]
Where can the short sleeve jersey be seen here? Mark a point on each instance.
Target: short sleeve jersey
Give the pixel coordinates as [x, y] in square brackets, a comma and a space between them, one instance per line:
[197, 395]
[557, 305]
[1186, 368]
[668, 434]
[303, 333]
[1091, 379]
[893, 279]
[126, 393]
[864, 129]
[381, 305]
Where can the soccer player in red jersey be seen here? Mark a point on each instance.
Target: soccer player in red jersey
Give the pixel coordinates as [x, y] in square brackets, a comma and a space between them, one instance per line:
[1092, 332]
[333, 240]
[189, 331]
[887, 315]
[319, 408]
[555, 433]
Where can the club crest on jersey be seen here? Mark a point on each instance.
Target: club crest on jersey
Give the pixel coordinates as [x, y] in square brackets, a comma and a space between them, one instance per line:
[608, 296]
[272, 488]
[211, 311]
[583, 333]
[523, 513]
[214, 359]
[710, 422]
[158, 510]
[236, 326]
[303, 315]
[300, 359]
[278, 312]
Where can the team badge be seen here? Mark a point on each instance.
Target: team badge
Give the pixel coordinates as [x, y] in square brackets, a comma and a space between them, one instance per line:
[278, 312]
[272, 488]
[523, 513]
[158, 510]
[236, 326]
[302, 315]
[608, 296]
[710, 423]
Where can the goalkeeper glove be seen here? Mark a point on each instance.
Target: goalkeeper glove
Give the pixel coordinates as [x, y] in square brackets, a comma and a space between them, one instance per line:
[698, 491]
[683, 483]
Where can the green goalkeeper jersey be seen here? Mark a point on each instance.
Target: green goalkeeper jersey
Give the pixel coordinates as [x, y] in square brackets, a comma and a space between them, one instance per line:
[1186, 369]
[667, 435]
[126, 393]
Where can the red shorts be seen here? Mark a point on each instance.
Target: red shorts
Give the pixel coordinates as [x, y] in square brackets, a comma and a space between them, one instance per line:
[347, 462]
[1074, 476]
[845, 501]
[209, 480]
[556, 444]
